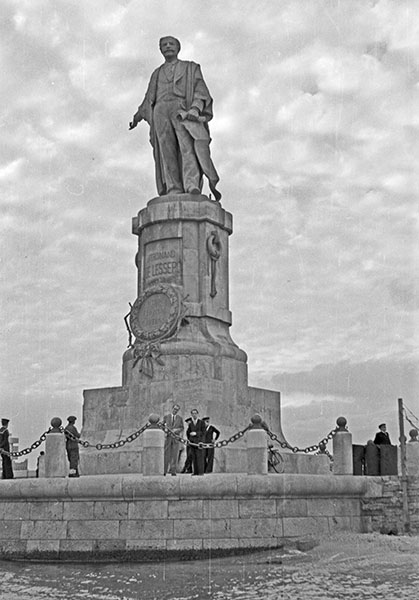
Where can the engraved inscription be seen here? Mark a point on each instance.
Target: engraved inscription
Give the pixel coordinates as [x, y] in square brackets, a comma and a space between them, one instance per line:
[154, 312]
[163, 262]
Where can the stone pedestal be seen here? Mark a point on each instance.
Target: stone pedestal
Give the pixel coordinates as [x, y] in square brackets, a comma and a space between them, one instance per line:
[342, 450]
[257, 452]
[153, 452]
[181, 349]
[412, 459]
[56, 464]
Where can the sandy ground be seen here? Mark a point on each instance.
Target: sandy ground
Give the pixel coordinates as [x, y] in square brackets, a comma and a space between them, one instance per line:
[348, 566]
[345, 566]
[350, 548]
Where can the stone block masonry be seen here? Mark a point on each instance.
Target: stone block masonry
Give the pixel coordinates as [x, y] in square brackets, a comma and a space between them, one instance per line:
[384, 512]
[132, 517]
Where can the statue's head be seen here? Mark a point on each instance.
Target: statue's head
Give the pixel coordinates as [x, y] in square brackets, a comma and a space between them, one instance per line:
[169, 46]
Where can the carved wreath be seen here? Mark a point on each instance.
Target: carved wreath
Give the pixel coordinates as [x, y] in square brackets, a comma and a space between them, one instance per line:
[171, 322]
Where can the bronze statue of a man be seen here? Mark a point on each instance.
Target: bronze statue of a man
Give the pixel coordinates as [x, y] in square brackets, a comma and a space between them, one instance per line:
[178, 106]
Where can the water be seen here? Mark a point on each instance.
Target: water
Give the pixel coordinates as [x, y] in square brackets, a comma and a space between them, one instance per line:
[267, 576]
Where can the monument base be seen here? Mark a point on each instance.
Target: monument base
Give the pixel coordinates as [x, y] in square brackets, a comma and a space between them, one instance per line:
[180, 347]
[131, 517]
[108, 411]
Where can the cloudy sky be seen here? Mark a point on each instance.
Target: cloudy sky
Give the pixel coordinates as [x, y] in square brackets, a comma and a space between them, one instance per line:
[315, 138]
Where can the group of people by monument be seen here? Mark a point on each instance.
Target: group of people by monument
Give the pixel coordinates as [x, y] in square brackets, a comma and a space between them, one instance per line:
[198, 460]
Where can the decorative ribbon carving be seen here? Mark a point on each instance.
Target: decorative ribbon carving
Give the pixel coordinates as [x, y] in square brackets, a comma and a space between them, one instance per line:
[146, 353]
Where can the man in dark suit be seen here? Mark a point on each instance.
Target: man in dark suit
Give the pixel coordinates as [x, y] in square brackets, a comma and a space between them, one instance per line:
[187, 468]
[5, 445]
[196, 434]
[171, 446]
[382, 437]
[211, 435]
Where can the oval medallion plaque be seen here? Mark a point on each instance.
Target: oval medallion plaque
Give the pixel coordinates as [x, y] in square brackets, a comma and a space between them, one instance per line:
[155, 314]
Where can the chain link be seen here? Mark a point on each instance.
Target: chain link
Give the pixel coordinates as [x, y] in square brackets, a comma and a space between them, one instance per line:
[133, 436]
[308, 449]
[28, 450]
[202, 445]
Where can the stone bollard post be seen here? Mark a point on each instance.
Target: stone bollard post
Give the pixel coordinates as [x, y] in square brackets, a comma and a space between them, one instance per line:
[257, 449]
[56, 464]
[412, 454]
[153, 448]
[342, 449]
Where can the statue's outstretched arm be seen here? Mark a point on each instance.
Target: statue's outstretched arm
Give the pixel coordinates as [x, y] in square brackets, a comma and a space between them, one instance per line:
[137, 118]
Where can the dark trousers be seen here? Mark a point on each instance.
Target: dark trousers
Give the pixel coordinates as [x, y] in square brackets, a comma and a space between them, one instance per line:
[187, 468]
[7, 467]
[198, 460]
[209, 460]
[73, 458]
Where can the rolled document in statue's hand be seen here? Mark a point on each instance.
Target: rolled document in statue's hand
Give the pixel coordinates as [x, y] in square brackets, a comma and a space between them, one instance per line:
[183, 115]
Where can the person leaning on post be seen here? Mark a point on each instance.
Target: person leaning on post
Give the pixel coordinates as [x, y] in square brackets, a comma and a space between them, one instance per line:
[72, 446]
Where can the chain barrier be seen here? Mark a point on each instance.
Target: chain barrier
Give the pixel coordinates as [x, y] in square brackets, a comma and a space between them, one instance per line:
[202, 445]
[241, 433]
[133, 436]
[320, 446]
[28, 450]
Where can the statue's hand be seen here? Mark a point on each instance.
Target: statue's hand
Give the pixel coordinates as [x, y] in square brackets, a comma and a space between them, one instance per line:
[193, 114]
[135, 120]
[181, 115]
[190, 115]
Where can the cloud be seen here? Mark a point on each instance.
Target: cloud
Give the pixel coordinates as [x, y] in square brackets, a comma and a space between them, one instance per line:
[315, 139]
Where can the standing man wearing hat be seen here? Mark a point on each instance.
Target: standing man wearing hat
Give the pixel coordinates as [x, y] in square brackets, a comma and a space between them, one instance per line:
[5, 445]
[211, 435]
[382, 437]
[72, 446]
